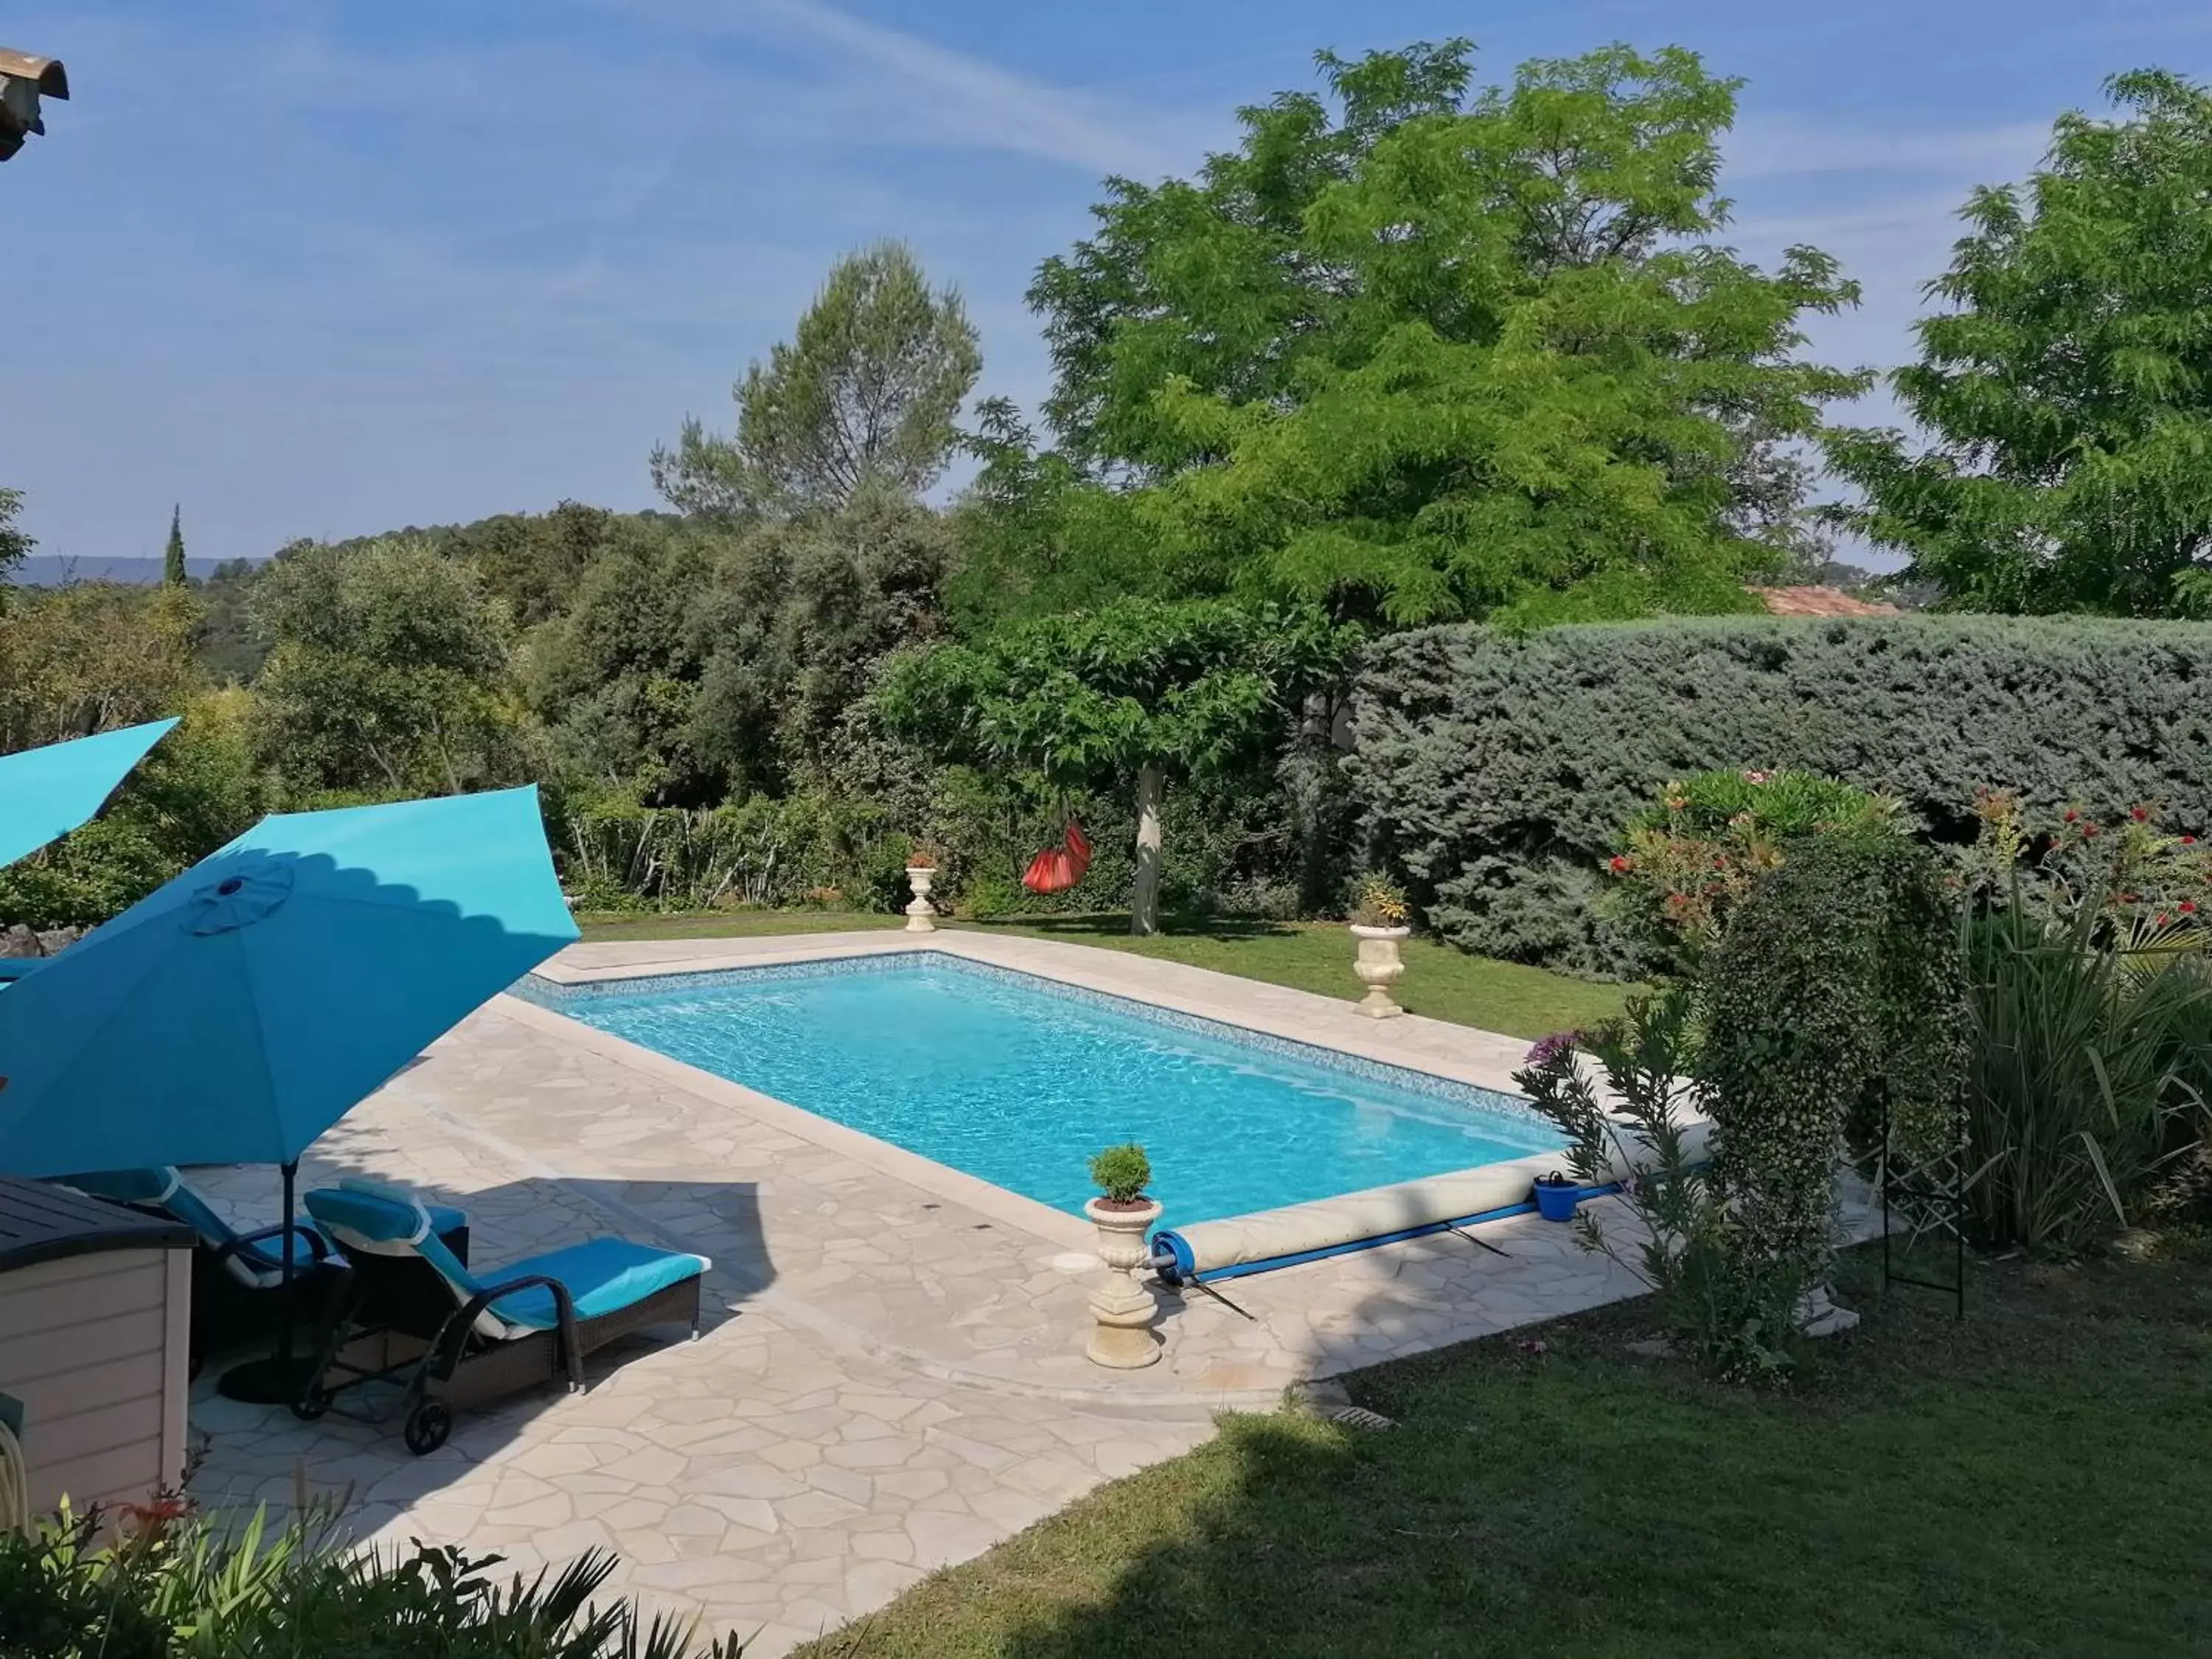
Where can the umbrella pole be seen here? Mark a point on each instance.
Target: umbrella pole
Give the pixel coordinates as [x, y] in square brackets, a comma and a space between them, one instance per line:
[276, 1380]
[289, 1171]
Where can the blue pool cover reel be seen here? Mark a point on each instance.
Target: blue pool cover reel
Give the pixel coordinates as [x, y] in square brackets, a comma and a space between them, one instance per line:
[1238, 1245]
[1185, 1263]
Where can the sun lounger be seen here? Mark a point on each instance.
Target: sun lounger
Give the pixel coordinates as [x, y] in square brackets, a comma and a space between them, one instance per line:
[522, 1324]
[237, 1277]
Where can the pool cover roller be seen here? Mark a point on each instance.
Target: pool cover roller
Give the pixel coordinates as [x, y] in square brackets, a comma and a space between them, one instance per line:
[1241, 1244]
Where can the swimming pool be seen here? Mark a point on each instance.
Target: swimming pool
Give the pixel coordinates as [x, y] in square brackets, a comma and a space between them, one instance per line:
[1017, 1080]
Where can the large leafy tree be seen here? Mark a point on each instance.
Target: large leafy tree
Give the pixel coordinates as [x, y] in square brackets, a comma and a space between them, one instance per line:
[1423, 351]
[866, 391]
[793, 624]
[617, 674]
[15, 545]
[533, 561]
[386, 670]
[91, 656]
[1127, 695]
[2066, 392]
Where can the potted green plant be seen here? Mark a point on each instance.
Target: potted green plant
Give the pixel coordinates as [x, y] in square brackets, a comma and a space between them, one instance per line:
[1121, 1308]
[923, 861]
[1379, 922]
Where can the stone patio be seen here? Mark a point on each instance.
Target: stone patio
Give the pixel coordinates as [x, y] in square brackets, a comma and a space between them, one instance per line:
[891, 1379]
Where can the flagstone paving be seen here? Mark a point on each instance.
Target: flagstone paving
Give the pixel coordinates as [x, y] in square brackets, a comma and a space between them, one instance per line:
[890, 1377]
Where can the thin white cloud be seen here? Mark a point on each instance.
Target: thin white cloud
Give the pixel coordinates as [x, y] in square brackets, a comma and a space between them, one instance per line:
[1785, 148]
[955, 98]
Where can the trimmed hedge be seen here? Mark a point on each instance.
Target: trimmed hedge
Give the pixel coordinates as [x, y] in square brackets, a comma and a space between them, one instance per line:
[1498, 772]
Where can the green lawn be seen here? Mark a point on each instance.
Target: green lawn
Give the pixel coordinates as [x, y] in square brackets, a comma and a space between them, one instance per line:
[1440, 981]
[2030, 1482]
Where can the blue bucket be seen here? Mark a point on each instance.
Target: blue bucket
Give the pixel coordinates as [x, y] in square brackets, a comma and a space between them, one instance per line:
[1556, 1198]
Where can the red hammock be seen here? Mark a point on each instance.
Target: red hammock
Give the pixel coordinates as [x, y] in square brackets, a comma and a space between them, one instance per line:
[1058, 867]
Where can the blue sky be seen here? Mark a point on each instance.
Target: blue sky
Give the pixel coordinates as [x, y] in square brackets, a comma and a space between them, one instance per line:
[317, 269]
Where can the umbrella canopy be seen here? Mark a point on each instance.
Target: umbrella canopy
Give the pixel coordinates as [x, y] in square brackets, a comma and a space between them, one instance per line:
[46, 792]
[238, 1013]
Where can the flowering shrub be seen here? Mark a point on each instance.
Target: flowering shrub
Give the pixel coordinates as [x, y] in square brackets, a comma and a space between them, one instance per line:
[1692, 856]
[2140, 880]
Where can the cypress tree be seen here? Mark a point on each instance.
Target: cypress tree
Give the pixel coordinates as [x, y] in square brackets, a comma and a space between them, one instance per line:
[173, 559]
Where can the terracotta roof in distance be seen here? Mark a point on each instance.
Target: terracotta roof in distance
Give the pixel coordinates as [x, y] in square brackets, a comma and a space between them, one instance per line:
[1821, 602]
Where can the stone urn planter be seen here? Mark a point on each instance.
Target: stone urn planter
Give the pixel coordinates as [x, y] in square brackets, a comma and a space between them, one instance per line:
[920, 915]
[1379, 968]
[1121, 1308]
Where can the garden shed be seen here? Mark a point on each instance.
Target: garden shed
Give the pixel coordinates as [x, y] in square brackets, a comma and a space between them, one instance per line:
[95, 1316]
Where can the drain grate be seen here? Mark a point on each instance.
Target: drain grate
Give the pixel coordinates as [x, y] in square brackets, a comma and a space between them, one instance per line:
[1359, 1417]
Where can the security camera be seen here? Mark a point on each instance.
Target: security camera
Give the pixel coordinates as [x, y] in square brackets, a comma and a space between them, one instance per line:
[23, 80]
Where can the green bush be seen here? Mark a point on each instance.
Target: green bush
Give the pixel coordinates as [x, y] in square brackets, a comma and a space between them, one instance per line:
[1498, 772]
[175, 1586]
[2091, 1057]
[1836, 983]
[195, 790]
[617, 854]
[1122, 1173]
[1728, 1306]
[1835, 989]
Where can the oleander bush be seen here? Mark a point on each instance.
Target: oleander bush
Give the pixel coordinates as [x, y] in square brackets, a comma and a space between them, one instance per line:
[1498, 771]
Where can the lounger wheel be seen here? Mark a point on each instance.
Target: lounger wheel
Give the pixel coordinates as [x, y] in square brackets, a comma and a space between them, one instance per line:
[427, 1427]
[312, 1404]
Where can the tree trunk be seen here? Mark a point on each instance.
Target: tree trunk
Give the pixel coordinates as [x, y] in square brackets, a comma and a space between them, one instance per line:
[1145, 897]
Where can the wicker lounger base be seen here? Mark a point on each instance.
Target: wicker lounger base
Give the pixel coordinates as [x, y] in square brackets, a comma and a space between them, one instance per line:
[483, 1370]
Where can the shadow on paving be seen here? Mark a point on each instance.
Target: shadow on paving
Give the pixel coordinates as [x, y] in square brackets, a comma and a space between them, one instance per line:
[354, 1457]
[2027, 1482]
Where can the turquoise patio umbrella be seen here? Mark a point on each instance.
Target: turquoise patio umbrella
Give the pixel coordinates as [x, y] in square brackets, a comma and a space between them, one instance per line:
[236, 1013]
[46, 792]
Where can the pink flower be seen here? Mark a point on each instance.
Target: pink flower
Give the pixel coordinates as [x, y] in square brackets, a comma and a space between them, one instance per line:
[1620, 864]
[1553, 1048]
[1758, 777]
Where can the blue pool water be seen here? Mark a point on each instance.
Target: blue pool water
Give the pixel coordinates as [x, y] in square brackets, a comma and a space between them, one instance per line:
[1020, 1080]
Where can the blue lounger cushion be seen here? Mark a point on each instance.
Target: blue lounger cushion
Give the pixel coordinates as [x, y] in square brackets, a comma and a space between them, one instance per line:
[602, 1276]
[259, 1266]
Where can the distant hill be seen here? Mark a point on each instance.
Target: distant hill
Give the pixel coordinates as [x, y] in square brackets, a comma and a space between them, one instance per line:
[53, 569]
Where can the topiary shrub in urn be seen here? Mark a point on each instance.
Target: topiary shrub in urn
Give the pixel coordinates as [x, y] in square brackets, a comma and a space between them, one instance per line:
[1122, 1308]
[1379, 922]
